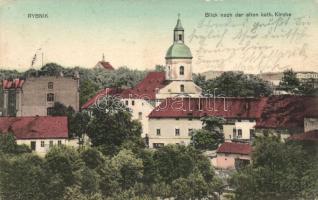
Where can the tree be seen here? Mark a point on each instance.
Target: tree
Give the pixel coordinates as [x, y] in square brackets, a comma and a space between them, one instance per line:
[88, 89]
[61, 166]
[277, 172]
[235, 84]
[211, 135]
[9, 145]
[51, 69]
[111, 126]
[289, 82]
[22, 177]
[128, 167]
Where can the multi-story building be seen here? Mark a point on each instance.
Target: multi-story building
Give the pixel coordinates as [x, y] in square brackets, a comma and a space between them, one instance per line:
[36, 95]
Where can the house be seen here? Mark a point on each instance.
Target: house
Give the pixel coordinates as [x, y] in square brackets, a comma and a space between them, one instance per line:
[286, 115]
[232, 156]
[36, 95]
[40, 133]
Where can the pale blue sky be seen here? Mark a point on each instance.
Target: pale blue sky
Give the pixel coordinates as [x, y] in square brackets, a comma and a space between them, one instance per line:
[135, 33]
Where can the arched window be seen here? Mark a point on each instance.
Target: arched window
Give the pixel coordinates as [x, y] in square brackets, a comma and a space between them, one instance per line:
[181, 70]
[181, 88]
[50, 97]
[50, 85]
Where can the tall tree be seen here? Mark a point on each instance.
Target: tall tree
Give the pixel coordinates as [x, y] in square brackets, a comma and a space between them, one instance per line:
[112, 125]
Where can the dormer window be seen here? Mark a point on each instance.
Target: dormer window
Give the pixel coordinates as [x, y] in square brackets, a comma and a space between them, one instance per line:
[181, 88]
[181, 70]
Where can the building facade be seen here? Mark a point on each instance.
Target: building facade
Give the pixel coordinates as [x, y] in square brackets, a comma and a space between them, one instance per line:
[37, 95]
[40, 133]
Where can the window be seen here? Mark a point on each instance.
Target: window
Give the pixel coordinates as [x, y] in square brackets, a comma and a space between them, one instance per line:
[59, 142]
[33, 145]
[180, 37]
[177, 132]
[42, 143]
[239, 133]
[50, 85]
[50, 97]
[158, 132]
[181, 88]
[49, 111]
[157, 145]
[51, 143]
[190, 131]
[132, 102]
[126, 102]
[252, 133]
[140, 116]
[181, 70]
[234, 133]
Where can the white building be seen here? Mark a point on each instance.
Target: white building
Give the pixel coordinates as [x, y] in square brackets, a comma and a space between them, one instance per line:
[173, 121]
[40, 133]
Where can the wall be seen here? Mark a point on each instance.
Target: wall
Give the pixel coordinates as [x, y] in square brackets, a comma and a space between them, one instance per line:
[35, 90]
[310, 124]
[43, 150]
[227, 161]
[140, 105]
[173, 90]
[167, 128]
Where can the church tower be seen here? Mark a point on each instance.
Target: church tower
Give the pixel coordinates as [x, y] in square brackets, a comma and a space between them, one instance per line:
[178, 57]
[178, 69]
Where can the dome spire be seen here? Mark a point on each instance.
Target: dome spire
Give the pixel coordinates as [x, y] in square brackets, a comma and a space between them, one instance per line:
[178, 25]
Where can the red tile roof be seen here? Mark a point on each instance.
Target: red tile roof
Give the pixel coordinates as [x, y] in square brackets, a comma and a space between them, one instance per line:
[99, 95]
[307, 136]
[146, 89]
[288, 111]
[249, 108]
[106, 65]
[43, 127]
[16, 83]
[235, 148]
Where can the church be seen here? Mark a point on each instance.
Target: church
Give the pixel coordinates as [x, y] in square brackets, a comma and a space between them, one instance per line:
[176, 81]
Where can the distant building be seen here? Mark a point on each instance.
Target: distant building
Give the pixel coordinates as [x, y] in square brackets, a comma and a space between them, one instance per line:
[308, 77]
[104, 65]
[233, 156]
[272, 77]
[39, 133]
[36, 95]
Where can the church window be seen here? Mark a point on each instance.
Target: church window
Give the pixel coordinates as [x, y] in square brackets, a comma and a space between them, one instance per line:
[181, 88]
[50, 97]
[181, 70]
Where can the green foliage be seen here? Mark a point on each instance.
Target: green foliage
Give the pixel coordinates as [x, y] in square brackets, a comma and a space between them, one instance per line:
[278, 171]
[88, 89]
[234, 84]
[22, 177]
[112, 126]
[289, 82]
[128, 167]
[211, 135]
[8, 144]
